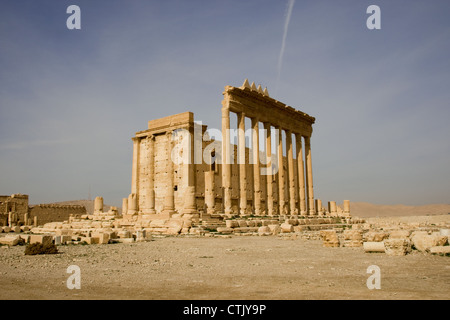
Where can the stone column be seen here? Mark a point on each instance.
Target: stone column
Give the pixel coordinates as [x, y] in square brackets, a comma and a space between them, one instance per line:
[290, 154]
[347, 207]
[98, 205]
[332, 208]
[169, 199]
[209, 192]
[135, 166]
[309, 177]
[318, 207]
[256, 167]
[226, 161]
[132, 204]
[190, 204]
[242, 165]
[10, 218]
[269, 177]
[301, 174]
[124, 206]
[151, 175]
[281, 176]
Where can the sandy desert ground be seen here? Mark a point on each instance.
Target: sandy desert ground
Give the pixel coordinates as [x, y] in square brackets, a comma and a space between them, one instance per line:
[238, 267]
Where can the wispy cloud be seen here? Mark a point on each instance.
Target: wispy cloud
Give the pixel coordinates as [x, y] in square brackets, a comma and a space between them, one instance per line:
[290, 6]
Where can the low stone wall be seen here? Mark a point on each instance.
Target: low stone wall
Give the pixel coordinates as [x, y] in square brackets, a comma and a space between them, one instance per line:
[46, 213]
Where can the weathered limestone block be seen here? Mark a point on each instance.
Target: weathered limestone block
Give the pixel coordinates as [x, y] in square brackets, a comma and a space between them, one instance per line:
[44, 239]
[241, 229]
[140, 235]
[159, 230]
[300, 228]
[57, 240]
[66, 239]
[103, 238]
[423, 242]
[399, 234]
[107, 224]
[231, 223]
[330, 238]
[274, 229]
[441, 240]
[158, 223]
[444, 232]
[187, 223]
[251, 223]
[124, 234]
[10, 240]
[25, 238]
[242, 223]
[352, 235]
[293, 222]
[374, 246]
[397, 247]
[374, 236]
[440, 250]
[225, 230]
[264, 231]
[174, 226]
[96, 224]
[287, 228]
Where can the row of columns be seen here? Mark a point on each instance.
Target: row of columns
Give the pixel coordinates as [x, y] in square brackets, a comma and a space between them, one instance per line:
[305, 186]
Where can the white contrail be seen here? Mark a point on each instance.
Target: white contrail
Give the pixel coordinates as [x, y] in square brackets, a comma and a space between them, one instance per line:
[290, 5]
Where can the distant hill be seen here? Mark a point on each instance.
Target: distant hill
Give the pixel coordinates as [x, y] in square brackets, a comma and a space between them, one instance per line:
[364, 209]
[88, 204]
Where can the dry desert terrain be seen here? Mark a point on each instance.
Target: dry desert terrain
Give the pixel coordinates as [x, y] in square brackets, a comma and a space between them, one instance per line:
[236, 267]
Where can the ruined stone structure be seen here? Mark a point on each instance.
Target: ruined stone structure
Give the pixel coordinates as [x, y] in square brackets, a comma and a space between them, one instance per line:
[13, 208]
[178, 168]
[15, 211]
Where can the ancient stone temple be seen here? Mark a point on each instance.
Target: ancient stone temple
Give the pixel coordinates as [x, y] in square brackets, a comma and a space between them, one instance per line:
[178, 168]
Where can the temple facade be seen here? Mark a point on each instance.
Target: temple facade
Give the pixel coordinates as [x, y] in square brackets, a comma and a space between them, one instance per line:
[178, 168]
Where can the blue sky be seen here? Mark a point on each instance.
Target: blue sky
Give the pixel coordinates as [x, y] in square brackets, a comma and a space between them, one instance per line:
[70, 100]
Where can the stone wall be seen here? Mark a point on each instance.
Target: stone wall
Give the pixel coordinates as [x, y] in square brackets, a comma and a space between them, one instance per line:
[46, 213]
